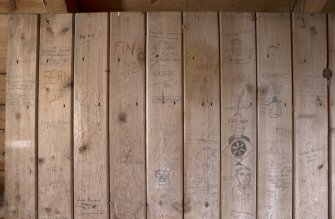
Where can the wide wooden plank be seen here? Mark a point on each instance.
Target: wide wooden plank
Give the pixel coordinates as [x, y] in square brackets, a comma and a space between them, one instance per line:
[3, 42]
[164, 116]
[20, 191]
[127, 115]
[238, 115]
[310, 116]
[90, 116]
[202, 115]
[54, 117]
[331, 107]
[274, 76]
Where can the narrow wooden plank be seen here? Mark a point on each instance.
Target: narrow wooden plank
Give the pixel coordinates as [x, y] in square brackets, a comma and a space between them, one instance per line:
[164, 116]
[331, 107]
[238, 115]
[54, 117]
[3, 42]
[2, 150]
[90, 117]
[202, 115]
[127, 115]
[274, 76]
[310, 116]
[2, 89]
[2, 116]
[20, 193]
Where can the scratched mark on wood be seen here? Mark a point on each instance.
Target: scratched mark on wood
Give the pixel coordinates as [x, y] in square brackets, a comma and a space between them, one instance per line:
[90, 117]
[164, 116]
[310, 117]
[202, 115]
[127, 116]
[20, 191]
[55, 91]
[238, 115]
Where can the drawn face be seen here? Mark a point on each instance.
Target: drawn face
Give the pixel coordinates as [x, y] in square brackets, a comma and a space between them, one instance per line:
[236, 45]
[243, 176]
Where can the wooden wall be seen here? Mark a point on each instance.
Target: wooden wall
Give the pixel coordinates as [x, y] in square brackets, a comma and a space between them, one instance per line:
[168, 115]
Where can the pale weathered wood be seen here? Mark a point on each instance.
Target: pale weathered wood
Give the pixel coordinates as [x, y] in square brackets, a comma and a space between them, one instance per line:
[127, 115]
[90, 116]
[54, 117]
[274, 76]
[164, 116]
[331, 107]
[310, 116]
[202, 115]
[20, 193]
[238, 115]
[3, 42]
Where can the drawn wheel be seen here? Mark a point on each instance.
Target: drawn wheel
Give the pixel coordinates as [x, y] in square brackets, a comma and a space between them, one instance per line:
[238, 148]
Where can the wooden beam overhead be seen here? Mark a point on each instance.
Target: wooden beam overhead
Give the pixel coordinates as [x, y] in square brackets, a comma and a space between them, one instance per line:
[313, 6]
[185, 5]
[33, 6]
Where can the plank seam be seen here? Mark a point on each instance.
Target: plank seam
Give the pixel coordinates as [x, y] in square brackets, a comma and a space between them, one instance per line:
[293, 124]
[72, 116]
[36, 109]
[256, 61]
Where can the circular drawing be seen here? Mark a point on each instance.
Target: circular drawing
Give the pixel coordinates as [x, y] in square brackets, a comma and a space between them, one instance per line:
[238, 147]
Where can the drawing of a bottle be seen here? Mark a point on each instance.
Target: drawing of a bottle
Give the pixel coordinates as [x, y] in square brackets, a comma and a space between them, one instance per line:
[275, 107]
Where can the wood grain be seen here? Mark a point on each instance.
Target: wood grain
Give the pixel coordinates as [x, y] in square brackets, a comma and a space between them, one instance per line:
[127, 115]
[310, 116]
[3, 42]
[90, 117]
[202, 115]
[238, 115]
[274, 76]
[164, 116]
[54, 117]
[20, 191]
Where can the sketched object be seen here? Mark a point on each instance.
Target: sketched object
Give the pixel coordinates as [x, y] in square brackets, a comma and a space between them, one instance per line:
[273, 106]
[162, 176]
[239, 145]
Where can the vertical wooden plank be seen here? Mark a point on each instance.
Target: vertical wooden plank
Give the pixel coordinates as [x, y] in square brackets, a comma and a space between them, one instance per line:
[164, 116]
[202, 115]
[274, 76]
[90, 116]
[331, 107]
[238, 115]
[20, 191]
[310, 116]
[127, 115]
[54, 117]
[3, 42]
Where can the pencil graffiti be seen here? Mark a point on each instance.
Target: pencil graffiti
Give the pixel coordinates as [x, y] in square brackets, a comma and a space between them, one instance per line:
[239, 145]
[238, 54]
[242, 193]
